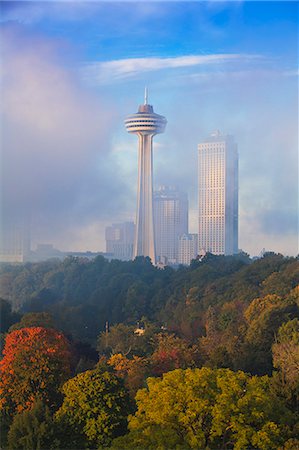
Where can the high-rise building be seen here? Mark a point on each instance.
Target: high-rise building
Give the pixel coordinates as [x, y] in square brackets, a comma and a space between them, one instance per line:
[218, 195]
[170, 221]
[120, 240]
[188, 248]
[146, 124]
[14, 243]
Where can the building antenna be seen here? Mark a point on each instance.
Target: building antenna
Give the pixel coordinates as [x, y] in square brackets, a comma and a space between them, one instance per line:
[145, 95]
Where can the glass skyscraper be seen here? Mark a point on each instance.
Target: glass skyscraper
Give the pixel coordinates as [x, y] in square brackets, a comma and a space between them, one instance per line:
[218, 195]
[170, 222]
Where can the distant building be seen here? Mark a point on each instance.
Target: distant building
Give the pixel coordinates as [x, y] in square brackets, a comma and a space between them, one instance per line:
[188, 246]
[218, 195]
[170, 222]
[44, 252]
[14, 243]
[120, 240]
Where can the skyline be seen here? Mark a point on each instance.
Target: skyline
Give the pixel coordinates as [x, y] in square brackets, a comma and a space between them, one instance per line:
[71, 73]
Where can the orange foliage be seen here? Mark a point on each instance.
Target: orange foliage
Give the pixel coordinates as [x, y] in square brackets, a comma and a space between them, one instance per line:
[132, 371]
[36, 363]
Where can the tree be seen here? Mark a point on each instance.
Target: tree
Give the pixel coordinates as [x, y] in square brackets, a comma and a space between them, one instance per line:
[33, 429]
[39, 319]
[36, 363]
[286, 352]
[119, 339]
[285, 379]
[264, 316]
[223, 338]
[205, 408]
[7, 317]
[123, 339]
[132, 371]
[172, 353]
[94, 409]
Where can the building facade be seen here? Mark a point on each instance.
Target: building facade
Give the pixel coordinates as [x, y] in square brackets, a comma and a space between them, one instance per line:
[14, 243]
[218, 195]
[188, 248]
[145, 124]
[170, 222]
[120, 240]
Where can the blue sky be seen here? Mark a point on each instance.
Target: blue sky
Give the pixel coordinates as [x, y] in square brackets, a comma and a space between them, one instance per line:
[71, 72]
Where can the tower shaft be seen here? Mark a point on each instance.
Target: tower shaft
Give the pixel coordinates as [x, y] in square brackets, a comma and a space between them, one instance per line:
[146, 124]
[144, 237]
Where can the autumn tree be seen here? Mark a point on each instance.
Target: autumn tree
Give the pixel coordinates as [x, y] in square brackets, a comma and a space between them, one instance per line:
[94, 410]
[172, 353]
[286, 352]
[264, 316]
[33, 429]
[222, 343]
[36, 363]
[133, 371]
[205, 408]
[285, 379]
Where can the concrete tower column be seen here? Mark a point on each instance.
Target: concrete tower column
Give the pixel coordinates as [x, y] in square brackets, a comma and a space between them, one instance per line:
[144, 237]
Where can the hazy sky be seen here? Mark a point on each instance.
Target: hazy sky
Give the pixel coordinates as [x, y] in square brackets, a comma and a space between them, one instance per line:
[71, 72]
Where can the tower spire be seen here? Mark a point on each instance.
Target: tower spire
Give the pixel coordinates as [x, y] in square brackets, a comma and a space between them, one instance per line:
[145, 95]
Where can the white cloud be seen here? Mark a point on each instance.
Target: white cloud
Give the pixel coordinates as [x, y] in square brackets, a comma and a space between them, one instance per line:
[100, 72]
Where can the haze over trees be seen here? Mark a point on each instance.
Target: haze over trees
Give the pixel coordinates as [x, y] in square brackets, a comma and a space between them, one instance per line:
[100, 354]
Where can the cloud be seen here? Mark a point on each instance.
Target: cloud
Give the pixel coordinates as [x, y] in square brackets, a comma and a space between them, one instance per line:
[57, 166]
[130, 67]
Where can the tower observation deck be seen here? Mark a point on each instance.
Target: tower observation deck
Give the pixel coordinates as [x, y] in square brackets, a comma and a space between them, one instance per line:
[146, 124]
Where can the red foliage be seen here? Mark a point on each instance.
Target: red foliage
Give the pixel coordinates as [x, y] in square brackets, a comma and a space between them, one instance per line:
[35, 364]
[172, 353]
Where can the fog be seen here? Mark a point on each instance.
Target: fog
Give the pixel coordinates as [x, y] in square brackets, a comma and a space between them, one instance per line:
[57, 165]
[70, 168]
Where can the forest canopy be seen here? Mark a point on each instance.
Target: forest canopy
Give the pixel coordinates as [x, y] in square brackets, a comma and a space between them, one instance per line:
[125, 355]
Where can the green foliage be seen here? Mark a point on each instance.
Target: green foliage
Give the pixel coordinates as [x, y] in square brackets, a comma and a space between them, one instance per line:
[221, 312]
[94, 409]
[33, 429]
[222, 344]
[286, 351]
[82, 295]
[285, 380]
[119, 339]
[264, 317]
[205, 408]
[42, 319]
[7, 317]
[124, 339]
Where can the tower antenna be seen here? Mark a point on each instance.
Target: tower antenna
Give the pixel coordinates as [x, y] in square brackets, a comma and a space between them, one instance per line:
[145, 95]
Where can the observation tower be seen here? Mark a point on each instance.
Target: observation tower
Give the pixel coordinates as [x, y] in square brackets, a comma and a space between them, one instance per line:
[145, 123]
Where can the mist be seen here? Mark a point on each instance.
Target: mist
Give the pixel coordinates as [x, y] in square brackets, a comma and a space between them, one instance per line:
[68, 166]
[57, 167]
